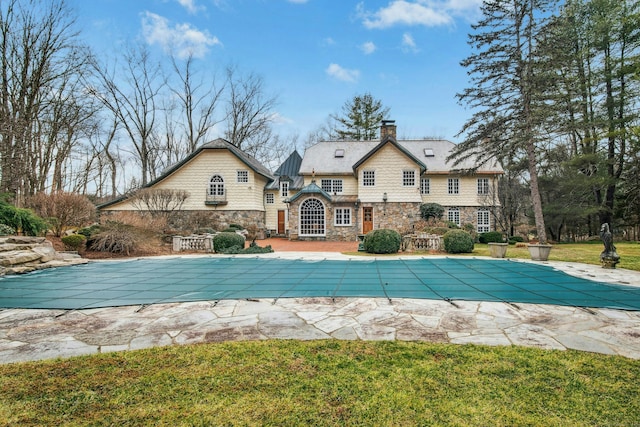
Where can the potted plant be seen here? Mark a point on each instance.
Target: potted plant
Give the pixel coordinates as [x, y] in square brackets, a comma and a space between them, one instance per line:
[539, 251]
[497, 250]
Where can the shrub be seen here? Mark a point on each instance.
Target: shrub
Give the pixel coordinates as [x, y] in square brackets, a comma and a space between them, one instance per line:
[89, 231]
[255, 249]
[63, 210]
[226, 240]
[22, 219]
[491, 237]
[382, 241]
[116, 238]
[73, 242]
[431, 210]
[5, 230]
[515, 239]
[457, 242]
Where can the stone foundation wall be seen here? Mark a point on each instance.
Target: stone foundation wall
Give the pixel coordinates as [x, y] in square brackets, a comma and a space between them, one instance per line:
[191, 221]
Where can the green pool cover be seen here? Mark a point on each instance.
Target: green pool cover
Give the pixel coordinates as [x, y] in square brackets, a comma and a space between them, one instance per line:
[153, 281]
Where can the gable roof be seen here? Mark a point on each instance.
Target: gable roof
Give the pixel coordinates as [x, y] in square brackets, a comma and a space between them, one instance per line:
[389, 140]
[289, 169]
[216, 144]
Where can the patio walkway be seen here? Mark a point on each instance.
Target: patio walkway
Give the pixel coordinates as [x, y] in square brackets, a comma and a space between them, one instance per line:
[43, 334]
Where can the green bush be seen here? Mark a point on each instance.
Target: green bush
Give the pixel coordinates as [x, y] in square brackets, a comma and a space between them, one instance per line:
[515, 239]
[457, 242]
[5, 230]
[382, 241]
[491, 237]
[226, 240]
[431, 210]
[89, 231]
[255, 249]
[22, 219]
[73, 242]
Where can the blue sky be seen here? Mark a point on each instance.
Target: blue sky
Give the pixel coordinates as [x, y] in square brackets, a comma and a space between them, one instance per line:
[313, 54]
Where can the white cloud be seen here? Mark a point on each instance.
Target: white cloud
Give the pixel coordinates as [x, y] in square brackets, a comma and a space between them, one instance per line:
[342, 74]
[414, 13]
[190, 5]
[368, 48]
[181, 39]
[408, 43]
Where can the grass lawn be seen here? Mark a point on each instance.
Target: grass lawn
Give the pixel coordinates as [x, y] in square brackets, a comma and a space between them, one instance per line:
[587, 253]
[325, 383]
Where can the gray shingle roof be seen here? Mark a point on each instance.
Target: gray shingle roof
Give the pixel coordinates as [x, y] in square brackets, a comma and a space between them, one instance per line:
[321, 156]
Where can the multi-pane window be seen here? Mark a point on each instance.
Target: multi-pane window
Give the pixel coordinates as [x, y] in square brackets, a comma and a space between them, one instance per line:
[425, 186]
[243, 176]
[342, 216]
[331, 185]
[408, 178]
[368, 178]
[483, 185]
[270, 199]
[284, 189]
[484, 222]
[312, 218]
[216, 186]
[453, 185]
[453, 215]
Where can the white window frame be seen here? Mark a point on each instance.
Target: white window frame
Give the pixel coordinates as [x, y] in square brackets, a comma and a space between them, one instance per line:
[216, 185]
[331, 185]
[484, 221]
[425, 185]
[242, 176]
[408, 178]
[483, 186]
[342, 217]
[284, 189]
[368, 178]
[312, 222]
[453, 215]
[453, 186]
[270, 198]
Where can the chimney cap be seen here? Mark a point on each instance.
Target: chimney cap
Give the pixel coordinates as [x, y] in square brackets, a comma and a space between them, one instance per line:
[388, 122]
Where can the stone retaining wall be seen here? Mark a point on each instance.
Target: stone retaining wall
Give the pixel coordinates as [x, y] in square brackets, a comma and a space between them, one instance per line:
[23, 254]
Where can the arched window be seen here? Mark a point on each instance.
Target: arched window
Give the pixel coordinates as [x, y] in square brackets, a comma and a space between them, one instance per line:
[216, 186]
[312, 219]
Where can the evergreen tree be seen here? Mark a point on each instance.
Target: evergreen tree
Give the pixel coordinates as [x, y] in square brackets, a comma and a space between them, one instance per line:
[503, 90]
[361, 118]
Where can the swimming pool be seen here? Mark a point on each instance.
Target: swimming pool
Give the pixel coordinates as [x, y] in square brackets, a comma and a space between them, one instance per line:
[166, 280]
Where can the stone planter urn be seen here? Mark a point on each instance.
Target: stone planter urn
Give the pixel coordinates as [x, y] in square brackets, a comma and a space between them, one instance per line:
[539, 252]
[498, 250]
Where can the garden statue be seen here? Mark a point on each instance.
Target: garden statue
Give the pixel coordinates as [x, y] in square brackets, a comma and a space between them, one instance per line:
[609, 257]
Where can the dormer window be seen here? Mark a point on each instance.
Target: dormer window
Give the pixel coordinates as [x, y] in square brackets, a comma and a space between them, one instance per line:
[428, 152]
[339, 153]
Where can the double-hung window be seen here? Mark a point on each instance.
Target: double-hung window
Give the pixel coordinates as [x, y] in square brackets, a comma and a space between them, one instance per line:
[271, 199]
[368, 178]
[242, 176]
[342, 216]
[453, 215]
[453, 185]
[484, 221]
[284, 189]
[331, 185]
[483, 186]
[425, 186]
[408, 178]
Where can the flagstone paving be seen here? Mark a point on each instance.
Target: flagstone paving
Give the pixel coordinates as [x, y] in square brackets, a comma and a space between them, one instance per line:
[35, 334]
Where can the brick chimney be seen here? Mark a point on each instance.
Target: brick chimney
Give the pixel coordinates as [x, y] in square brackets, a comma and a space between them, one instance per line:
[388, 128]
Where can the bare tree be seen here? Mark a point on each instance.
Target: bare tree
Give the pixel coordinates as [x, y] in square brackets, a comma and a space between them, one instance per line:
[132, 97]
[159, 201]
[39, 56]
[249, 110]
[198, 101]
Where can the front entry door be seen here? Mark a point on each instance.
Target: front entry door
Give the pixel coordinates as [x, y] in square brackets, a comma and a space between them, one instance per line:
[367, 219]
[281, 227]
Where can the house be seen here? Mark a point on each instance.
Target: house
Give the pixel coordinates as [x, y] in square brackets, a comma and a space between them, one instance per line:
[225, 185]
[338, 189]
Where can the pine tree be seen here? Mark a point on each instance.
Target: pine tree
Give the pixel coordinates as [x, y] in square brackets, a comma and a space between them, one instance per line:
[361, 118]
